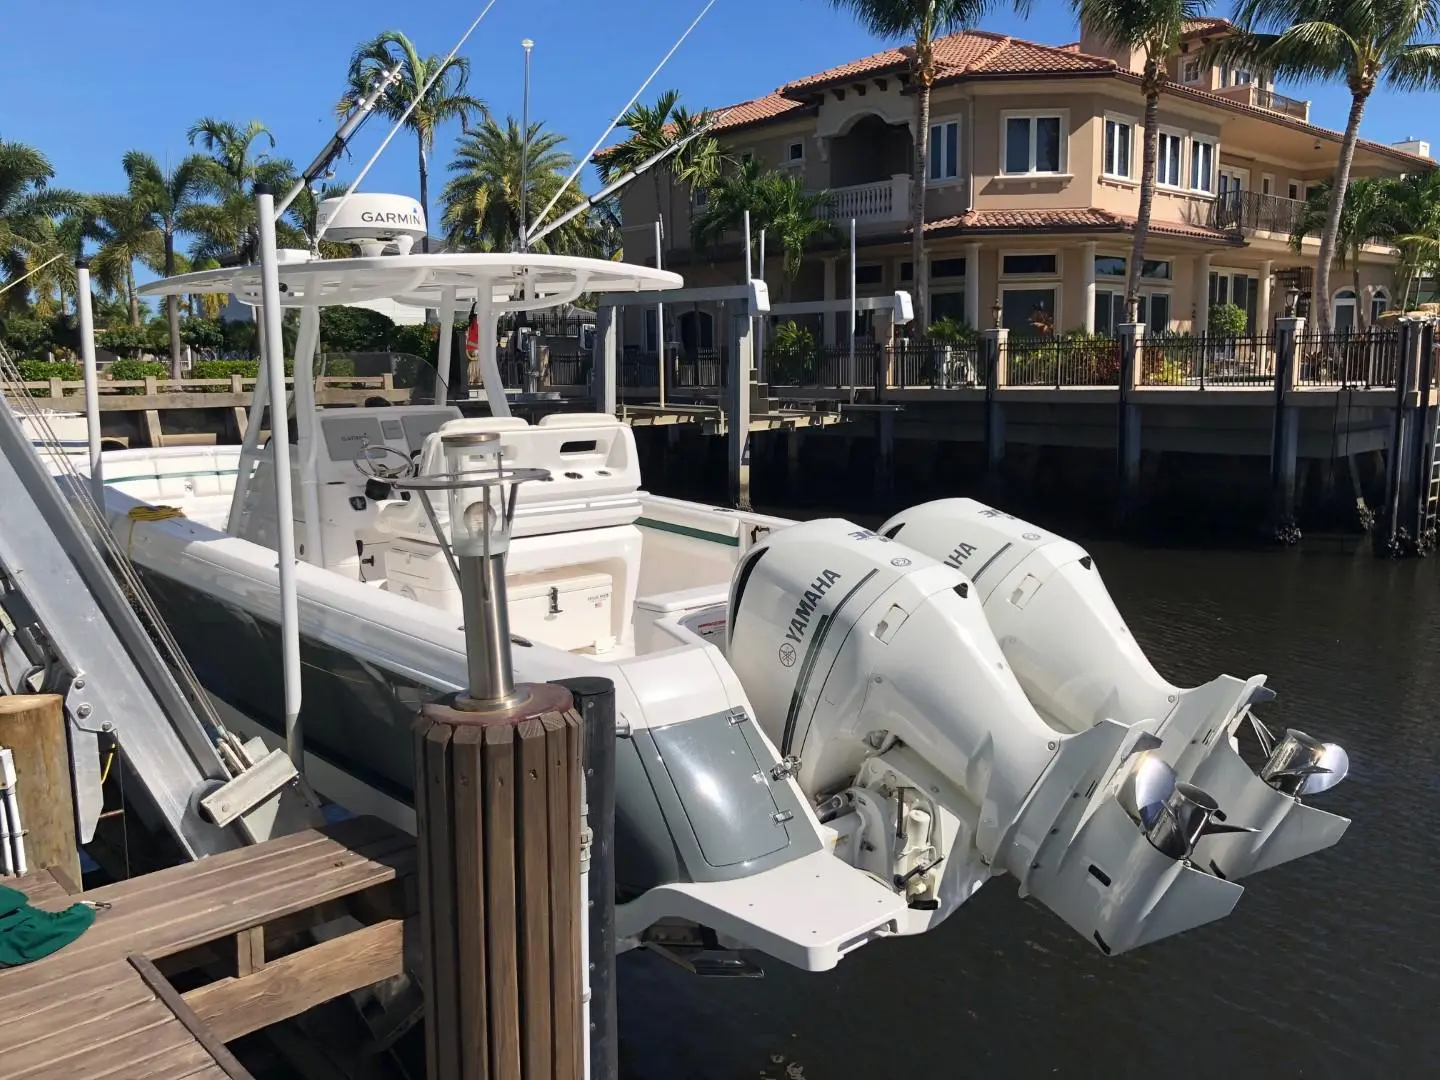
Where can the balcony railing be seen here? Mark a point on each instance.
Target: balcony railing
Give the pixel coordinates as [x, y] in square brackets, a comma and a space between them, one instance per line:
[1269, 99]
[882, 200]
[1249, 211]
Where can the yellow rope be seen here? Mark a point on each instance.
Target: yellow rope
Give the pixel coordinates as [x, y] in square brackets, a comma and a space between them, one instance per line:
[149, 514]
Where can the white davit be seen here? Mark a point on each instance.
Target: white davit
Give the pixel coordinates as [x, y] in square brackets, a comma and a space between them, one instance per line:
[875, 666]
[1079, 665]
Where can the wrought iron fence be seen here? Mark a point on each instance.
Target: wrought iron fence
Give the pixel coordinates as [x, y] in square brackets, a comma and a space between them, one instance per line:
[1206, 361]
[822, 366]
[934, 364]
[1060, 362]
[1358, 359]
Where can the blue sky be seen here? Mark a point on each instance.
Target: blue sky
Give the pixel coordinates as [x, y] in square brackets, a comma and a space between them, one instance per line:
[136, 74]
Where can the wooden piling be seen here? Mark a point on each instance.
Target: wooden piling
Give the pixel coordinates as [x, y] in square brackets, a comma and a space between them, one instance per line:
[33, 727]
[499, 832]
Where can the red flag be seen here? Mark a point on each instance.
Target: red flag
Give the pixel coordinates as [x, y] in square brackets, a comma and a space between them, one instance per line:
[472, 337]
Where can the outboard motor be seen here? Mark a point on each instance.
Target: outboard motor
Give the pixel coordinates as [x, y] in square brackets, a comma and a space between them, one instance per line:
[874, 670]
[1079, 665]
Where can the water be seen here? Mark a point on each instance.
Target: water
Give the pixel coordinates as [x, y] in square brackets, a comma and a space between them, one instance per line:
[1328, 967]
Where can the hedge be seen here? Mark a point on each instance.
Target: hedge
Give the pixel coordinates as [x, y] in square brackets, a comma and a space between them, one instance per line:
[44, 370]
[127, 369]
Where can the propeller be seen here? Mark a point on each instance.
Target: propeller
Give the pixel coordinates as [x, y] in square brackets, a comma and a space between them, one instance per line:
[1298, 764]
[1172, 814]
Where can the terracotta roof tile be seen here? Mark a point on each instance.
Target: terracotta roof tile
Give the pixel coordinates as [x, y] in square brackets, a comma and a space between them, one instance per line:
[953, 54]
[1091, 218]
[1203, 26]
[769, 107]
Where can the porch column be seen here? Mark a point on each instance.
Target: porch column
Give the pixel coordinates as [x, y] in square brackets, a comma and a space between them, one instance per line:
[1202, 294]
[1087, 277]
[972, 286]
[828, 336]
[1262, 308]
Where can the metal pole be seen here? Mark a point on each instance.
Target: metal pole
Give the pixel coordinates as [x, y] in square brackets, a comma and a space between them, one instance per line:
[854, 302]
[748, 274]
[660, 309]
[527, 45]
[444, 360]
[92, 380]
[760, 322]
[280, 463]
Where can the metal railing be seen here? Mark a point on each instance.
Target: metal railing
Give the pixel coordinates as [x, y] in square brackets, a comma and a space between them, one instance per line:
[1061, 362]
[1207, 361]
[934, 364]
[1249, 211]
[880, 200]
[1358, 359]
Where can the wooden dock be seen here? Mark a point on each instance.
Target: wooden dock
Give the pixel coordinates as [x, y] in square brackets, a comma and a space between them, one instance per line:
[104, 1006]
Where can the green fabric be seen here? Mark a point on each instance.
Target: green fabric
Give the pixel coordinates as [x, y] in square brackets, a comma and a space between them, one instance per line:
[28, 934]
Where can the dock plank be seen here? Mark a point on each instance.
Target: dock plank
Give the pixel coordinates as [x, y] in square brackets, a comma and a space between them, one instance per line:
[100, 1010]
[41, 888]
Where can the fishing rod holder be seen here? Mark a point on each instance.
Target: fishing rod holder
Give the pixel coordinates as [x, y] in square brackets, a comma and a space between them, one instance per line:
[481, 493]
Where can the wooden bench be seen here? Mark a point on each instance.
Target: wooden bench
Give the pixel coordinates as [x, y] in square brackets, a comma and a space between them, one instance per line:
[103, 1007]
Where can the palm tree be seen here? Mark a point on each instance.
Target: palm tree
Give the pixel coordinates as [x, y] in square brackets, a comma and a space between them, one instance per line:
[225, 228]
[126, 234]
[1370, 215]
[1363, 42]
[1153, 28]
[1416, 198]
[166, 196]
[482, 200]
[28, 209]
[654, 129]
[920, 22]
[793, 218]
[446, 100]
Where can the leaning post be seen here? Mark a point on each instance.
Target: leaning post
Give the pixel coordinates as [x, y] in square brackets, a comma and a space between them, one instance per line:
[1284, 442]
[993, 345]
[1127, 433]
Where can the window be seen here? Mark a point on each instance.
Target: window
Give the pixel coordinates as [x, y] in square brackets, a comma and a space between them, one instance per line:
[747, 156]
[1191, 70]
[1167, 165]
[1153, 310]
[650, 346]
[1202, 164]
[1115, 266]
[1379, 304]
[1267, 184]
[947, 268]
[795, 153]
[873, 274]
[702, 198]
[1033, 145]
[944, 151]
[1029, 264]
[1344, 311]
[1236, 77]
[1028, 312]
[1293, 190]
[947, 305]
[1119, 141]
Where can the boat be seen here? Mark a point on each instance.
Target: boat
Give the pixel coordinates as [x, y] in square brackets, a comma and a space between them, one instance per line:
[828, 735]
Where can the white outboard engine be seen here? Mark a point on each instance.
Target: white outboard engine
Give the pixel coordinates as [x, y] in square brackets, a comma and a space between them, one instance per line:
[873, 668]
[1079, 665]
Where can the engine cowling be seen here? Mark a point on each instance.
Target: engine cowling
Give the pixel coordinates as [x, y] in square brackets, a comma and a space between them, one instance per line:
[874, 665]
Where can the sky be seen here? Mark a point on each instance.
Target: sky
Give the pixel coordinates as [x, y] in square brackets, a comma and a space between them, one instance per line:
[137, 74]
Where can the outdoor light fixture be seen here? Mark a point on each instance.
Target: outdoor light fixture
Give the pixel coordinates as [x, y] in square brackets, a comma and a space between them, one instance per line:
[482, 493]
[998, 312]
[1292, 300]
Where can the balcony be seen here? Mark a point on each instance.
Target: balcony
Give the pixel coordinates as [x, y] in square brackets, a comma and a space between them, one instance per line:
[1250, 212]
[1269, 100]
[880, 201]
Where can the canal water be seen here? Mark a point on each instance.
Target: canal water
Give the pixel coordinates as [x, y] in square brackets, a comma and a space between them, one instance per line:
[1328, 967]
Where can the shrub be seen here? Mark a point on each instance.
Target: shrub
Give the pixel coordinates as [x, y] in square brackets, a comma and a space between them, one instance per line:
[27, 335]
[418, 340]
[42, 370]
[791, 356]
[223, 369]
[951, 331]
[132, 339]
[202, 333]
[126, 369]
[348, 329]
[1228, 320]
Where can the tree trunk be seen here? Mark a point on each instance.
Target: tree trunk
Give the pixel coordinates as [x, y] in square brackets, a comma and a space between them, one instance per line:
[424, 194]
[1320, 296]
[134, 297]
[172, 308]
[1148, 165]
[1362, 312]
[920, 278]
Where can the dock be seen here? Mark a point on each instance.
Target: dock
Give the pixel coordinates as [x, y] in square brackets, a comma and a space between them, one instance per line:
[105, 1006]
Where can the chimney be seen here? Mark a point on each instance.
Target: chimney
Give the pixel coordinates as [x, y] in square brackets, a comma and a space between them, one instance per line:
[1418, 147]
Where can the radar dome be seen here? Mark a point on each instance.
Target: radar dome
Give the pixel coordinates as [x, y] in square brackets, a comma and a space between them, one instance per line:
[373, 222]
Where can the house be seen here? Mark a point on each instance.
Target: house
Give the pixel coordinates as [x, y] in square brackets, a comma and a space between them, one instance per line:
[1033, 189]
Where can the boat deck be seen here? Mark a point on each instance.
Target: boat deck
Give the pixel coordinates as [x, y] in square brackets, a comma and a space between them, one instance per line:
[104, 1006]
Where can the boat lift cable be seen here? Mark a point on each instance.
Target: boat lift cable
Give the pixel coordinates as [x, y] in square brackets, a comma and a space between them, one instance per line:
[93, 518]
[606, 133]
[625, 178]
[435, 75]
[31, 272]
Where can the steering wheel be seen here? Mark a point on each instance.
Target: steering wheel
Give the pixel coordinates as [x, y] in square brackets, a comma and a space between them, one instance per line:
[383, 463]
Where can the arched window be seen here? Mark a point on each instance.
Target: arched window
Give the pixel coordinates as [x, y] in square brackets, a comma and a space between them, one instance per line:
[1343, 312]
[1379, 304]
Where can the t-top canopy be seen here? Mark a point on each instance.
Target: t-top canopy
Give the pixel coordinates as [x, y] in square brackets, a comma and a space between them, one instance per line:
[517, 282]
